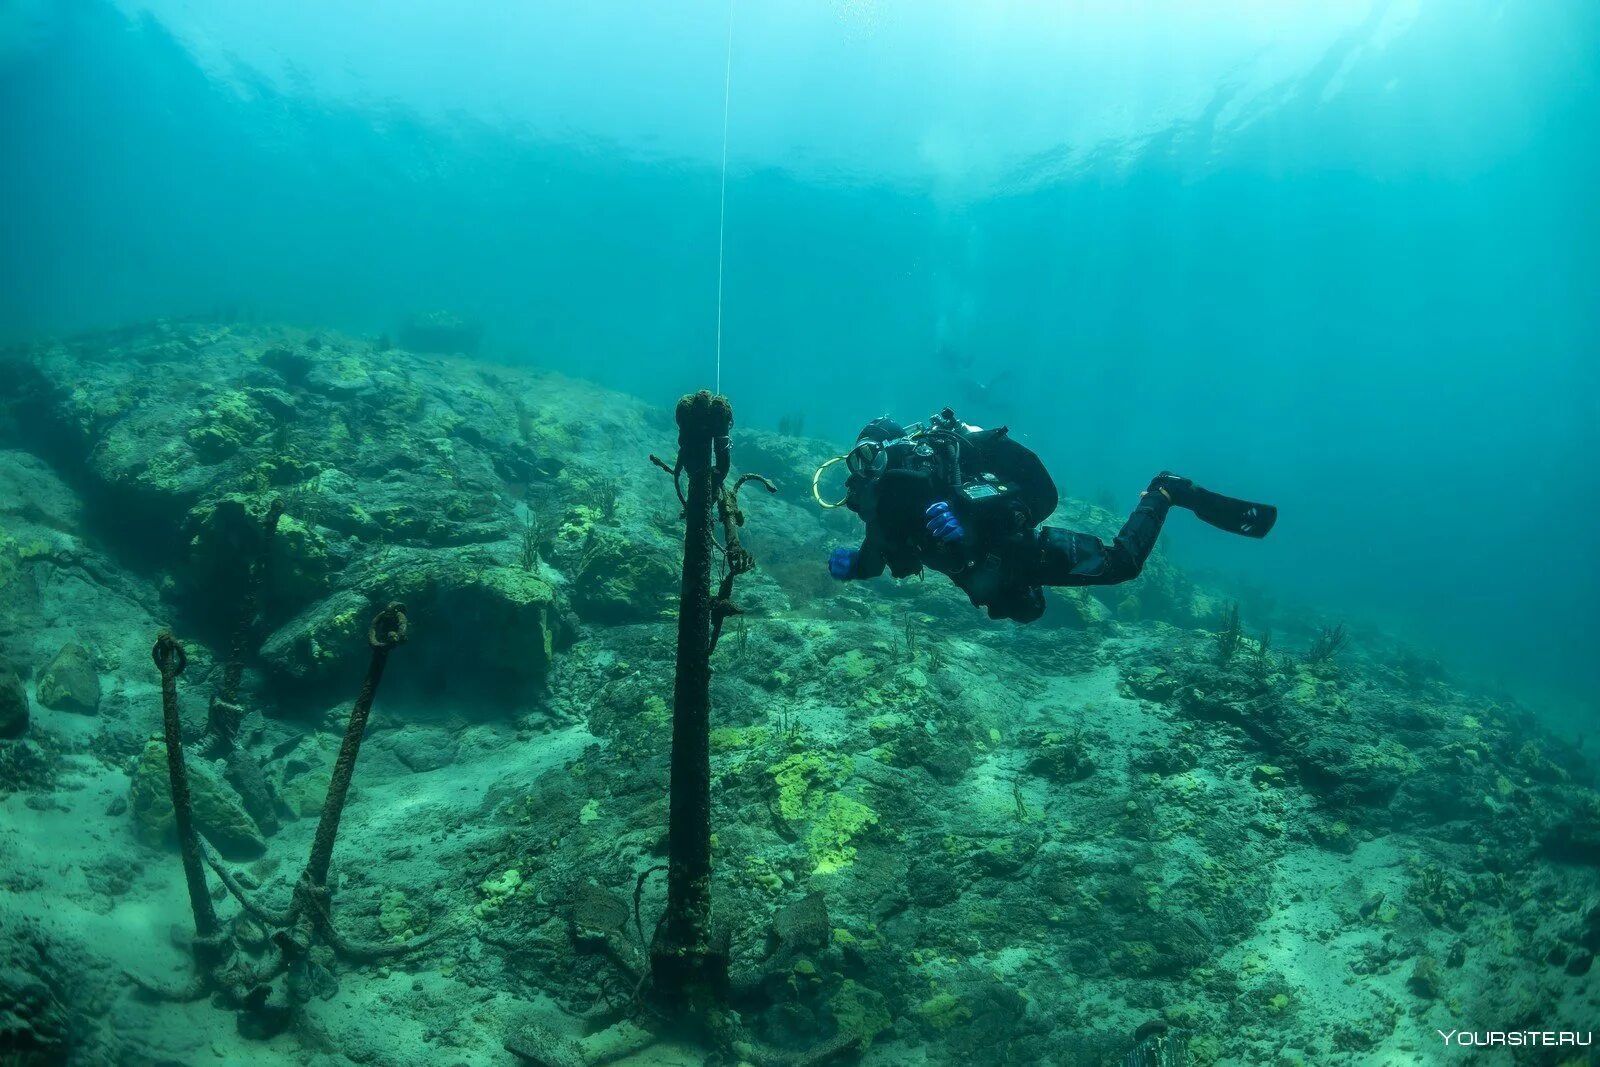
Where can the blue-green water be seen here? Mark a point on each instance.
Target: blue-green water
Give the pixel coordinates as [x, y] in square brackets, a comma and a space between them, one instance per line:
[1341, 257]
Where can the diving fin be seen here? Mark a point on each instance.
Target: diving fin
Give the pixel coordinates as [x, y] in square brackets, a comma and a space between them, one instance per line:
[1235, 516]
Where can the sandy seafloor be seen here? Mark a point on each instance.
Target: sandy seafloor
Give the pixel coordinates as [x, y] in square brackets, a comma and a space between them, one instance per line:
[1027, 842]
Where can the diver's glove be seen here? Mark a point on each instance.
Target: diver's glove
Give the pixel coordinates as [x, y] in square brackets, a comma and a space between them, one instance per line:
[1180, 491]
[943, 524]
[842, 564]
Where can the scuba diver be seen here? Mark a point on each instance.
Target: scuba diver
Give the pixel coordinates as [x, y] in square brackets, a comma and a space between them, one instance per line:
[967, 502]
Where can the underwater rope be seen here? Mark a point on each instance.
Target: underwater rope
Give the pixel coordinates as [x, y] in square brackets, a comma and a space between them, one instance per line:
[722, 210]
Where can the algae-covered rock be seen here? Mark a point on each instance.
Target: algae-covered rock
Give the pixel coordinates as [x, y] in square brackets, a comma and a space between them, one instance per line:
[1354, 772]
[1425, 978]
[13, 706]
[305, 794]
[620, 580]
[501, 622]
[219, 814]
[473, 625]
[228, 421]
[225, 538]
[859, 1011]
[1075, 608]
[311, 645]
[942, 1011]
[71, 682]
[1059, 755]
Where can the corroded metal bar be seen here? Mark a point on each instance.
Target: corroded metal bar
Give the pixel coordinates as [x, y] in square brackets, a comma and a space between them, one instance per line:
[170, 660]
[388, 630]
[684, 961]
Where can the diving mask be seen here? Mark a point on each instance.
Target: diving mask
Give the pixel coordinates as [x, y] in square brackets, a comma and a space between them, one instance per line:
[868, 459]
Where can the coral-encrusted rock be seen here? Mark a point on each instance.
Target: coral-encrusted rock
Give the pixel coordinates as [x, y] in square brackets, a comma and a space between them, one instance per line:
[13, 706]
[219, 814]
[71, 682]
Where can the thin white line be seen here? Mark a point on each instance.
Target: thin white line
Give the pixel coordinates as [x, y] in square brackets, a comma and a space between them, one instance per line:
[722, 211]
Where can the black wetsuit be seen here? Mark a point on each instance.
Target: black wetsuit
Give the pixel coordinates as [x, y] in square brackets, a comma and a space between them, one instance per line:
[1003, 561]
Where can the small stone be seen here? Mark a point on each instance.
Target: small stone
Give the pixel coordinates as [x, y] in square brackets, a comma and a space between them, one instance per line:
[71, 682]
[1424, 980]
[13, 706]
[1267, 774]
[423, 751]
[1580, 962]
[306, 794]
[219, 814]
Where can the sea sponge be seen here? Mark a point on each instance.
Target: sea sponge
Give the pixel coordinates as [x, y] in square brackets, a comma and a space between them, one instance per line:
[943, 1010]
[828, 840]
[803, 780]
[394, 916]
[496, 891]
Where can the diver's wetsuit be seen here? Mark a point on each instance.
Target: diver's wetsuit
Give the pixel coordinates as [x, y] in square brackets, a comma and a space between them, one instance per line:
[1003, 560]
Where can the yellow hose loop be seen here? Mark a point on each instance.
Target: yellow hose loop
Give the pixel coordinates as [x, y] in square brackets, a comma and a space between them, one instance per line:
[816, 481]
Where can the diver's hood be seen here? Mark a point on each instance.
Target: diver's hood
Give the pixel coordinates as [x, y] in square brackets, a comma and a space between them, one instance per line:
[881, 429]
